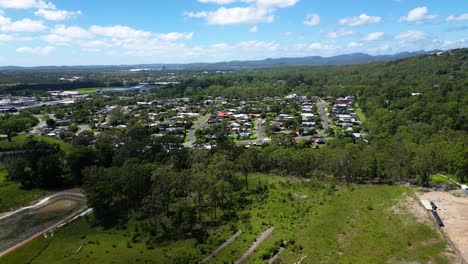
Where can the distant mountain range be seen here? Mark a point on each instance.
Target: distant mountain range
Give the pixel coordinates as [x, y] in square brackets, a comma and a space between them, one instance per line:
[347, 59]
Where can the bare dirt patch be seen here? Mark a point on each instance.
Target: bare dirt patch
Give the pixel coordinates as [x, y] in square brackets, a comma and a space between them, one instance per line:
[59, 205]
[408, 204]
[454, 213]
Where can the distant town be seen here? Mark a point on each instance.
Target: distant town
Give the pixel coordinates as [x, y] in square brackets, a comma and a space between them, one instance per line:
[309, 119]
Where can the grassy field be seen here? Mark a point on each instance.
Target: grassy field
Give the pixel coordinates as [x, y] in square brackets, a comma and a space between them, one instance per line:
[89, 90]
[92, 90]
[326, 223]
[360, 114]
[18, 141]
[12, 195]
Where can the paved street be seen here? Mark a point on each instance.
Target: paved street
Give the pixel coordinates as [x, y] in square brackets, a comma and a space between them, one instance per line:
[198, 124]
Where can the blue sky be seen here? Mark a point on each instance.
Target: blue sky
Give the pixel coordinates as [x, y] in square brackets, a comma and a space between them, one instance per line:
[84, 32]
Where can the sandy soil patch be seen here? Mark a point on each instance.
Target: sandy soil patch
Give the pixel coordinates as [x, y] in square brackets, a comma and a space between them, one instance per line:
[454, 213]
[60, 205]
[409, 204]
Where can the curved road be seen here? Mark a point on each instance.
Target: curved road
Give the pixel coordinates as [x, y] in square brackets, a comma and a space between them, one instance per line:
[261, 136]
[33, 232]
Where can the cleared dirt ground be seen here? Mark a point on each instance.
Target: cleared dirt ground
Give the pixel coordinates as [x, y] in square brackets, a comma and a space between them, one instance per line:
[454, 213]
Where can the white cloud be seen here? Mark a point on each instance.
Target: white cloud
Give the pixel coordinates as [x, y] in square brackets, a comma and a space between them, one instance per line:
[5, 38]
[36, 50]
[353, 45]
[339, 33]
[235, 15]
[312, 20]
[57, 15]
[218, 2]
[122, 32]
[374, 36]
[94, 44]
[24, 25]
[273, 3]
[461, 17]
[62, 35]
[256, 11]
[25, 4]
[253, 29]
[317, 46]
[411, 35]
[259, 45]
[71, 32]
[382, 49]
[287, 34]
[461, 43]
[360, 20]
[4, 20]
[174, 36]
[418, 14]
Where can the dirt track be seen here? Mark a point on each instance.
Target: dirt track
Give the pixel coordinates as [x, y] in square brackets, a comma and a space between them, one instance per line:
[21, 226]
[255, 244]
[454, 213]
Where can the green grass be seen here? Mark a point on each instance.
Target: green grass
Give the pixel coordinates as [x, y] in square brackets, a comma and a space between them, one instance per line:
[18, 142]
[329, 224]
[92, 90]
[437, 179]
[360, 114]
[89, 90]
[99, 246]
[12, 195]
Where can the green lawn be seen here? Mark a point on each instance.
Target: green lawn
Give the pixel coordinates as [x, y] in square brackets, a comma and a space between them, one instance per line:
[89, 90]
[360, 114]
[326, 223]
[438, 179]
[92, 90]
[12, 195]
[18, 141]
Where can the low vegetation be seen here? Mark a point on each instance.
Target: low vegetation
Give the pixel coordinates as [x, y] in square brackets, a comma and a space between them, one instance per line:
[19, 141]
[12, 194]
[325, 221]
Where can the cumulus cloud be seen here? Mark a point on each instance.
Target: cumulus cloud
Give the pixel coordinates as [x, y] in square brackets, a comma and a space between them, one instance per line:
[452, 44]
[62, 35]
[119, 32]
[36, 50]
[273, 3]
[26, 4]
[4, 20]
[354, 45]
[94, 44]
[57, 15]
[461, 17]
[360, 20]
[339, 33]
[24, 25]
[235, 15]
[5, 38]
[174, 36]
[418, 14]
[411, 35]
[414, 39]
[312, 20]
[256, 11]
[374, 36]
[253, 29]
[218, 2]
